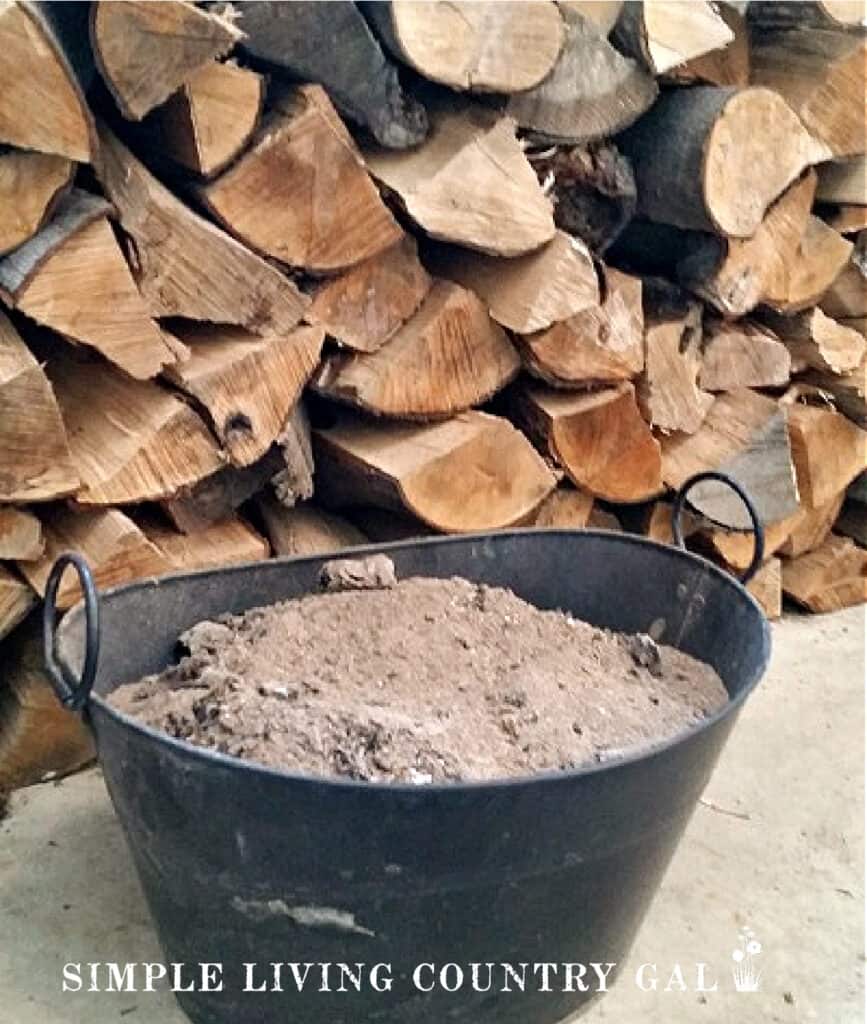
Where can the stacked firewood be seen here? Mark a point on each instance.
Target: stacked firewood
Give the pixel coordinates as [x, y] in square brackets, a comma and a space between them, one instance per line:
[280, 278]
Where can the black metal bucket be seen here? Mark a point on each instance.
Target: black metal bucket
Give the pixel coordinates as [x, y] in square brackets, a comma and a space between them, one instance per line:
[242, 864]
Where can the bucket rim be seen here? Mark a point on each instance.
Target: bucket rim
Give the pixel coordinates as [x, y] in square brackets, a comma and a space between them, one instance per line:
[627, 759]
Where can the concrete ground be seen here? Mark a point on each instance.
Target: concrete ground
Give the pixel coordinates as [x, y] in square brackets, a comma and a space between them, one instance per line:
[777, 846]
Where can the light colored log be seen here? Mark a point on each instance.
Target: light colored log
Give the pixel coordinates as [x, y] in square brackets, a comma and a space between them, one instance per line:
[301, 193]
[20, 534]
[728, 65]
[668, 391]
[527, 293]
[567, 508]
[847, 295]
[473, 472]
[470, 183]
[829, 451]
[16, 600]
[147, 51]
[767, 588]
[818, 341]
[229, 542]
[305, 529]
[187, 267]
[665, 35]
[742, 354]
[832, 577]
[449, 357]
[247, 384]
[363, 308]
[821, 256]
[31, 185]
[811, 526]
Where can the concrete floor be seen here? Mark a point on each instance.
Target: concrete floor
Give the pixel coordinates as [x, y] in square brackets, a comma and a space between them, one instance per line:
[777, 845]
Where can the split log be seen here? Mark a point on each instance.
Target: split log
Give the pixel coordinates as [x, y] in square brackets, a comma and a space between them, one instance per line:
[39, 738]
[665, 35]
[848, 390]
[301, 193]
[363, 308]
[847, 295]
[334, 46]
[735, 275]
[130, 440]
[602, 519]
[567, 508]
[847, 219]
[73, 278]
[811, 527]
[293, 481]
[230, 542]
[599, 438]
[35, 462]
[832, 577]
[833, 14]
[821, 256]
[473, 472]
[820, 74]
[480, 47]
[742, 354]
[247, 384]
[187, 267]
[470, 183]
[449, 357]
[852, 522]
[146, 51]
[115, 549]
[767, 588]
[20, 534]
[31, 185]
[602, 13]
[729, 65]
[592, 92]
[744, 435]
[657, 523]
[602, 343]
[844, 181]
[16, 600]
[714, 159]
[305, 529]
[593, 188]
[829, 451]
[815, 340]
[528, 293]
[42, 106]
[736, 549]
[211, 119]
[668, 391]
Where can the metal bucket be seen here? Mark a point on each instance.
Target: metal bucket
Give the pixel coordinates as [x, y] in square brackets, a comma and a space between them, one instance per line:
[243, 864]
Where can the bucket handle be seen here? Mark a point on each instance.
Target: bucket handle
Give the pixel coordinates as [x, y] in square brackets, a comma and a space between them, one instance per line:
[758, 530]
[71, 692]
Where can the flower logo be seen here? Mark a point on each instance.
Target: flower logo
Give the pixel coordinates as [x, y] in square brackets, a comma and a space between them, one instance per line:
[747, 976]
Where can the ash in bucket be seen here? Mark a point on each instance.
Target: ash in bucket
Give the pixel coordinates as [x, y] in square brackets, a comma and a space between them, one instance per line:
[423, 680]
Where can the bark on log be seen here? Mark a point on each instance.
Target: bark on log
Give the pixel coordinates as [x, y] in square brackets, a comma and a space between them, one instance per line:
[305, 529]
[832, 577]
[115, 549]
[665, 35]
[820, 74]
[365, 307]
[592, 92]
[599, 438]
[478, 47]
[35, 461]
[334, 46]
[31, 186]
[301, 193]
[20, 534]
[844, 181]
[815, 340]
[528, 293]
[470, 183]
[742, 354]
[449, 357]
[848, 391]
[130, 440]
[211, 119]
[729, 65]
[473, 472]
[668, 391]
[42, 106]
[601, 344]
[73, 278]
[187, 267]
[745, 436]
[714, 159]
[147, 51]
[834, 14]
[247, 385]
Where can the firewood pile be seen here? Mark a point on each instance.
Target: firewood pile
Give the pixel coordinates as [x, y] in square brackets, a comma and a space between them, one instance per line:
[281, 278]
